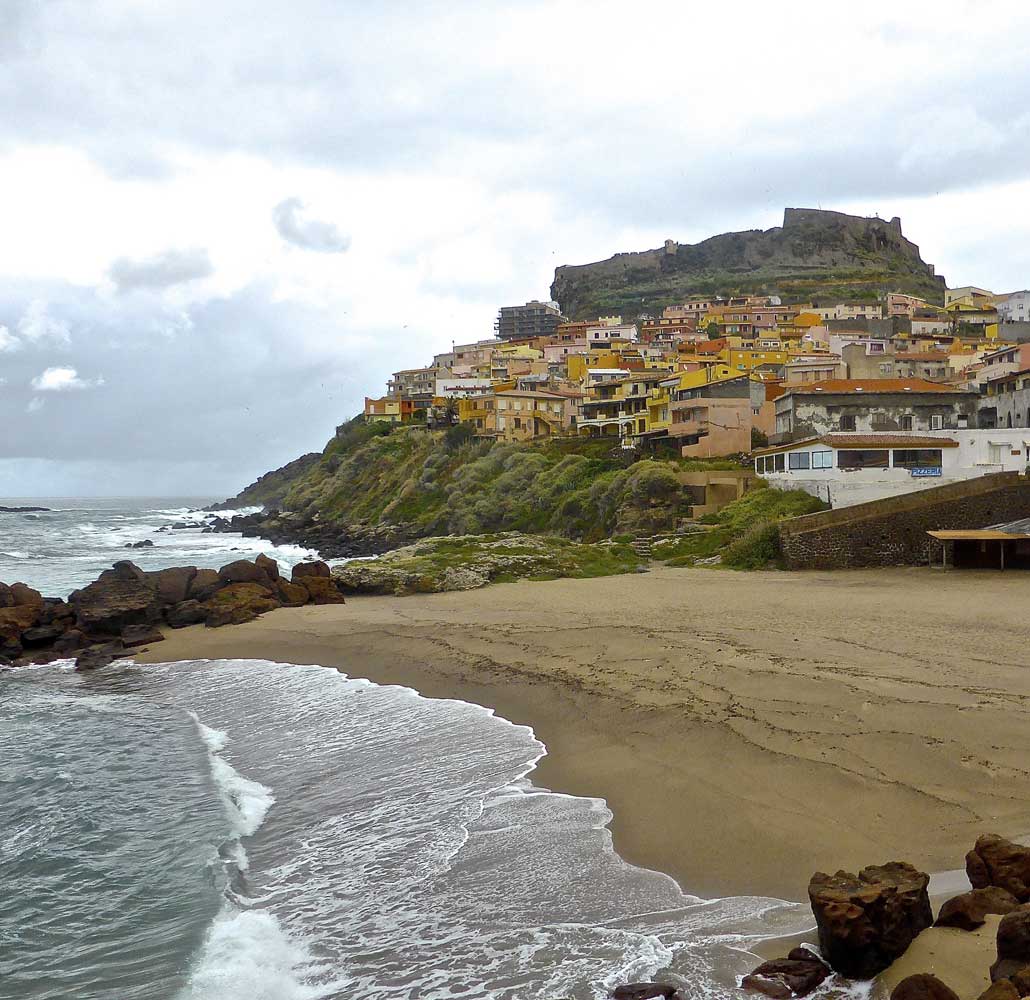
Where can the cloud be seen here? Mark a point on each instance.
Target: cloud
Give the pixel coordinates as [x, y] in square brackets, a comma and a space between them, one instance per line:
[37, 326]
[63, 379]
[35, 405]
[163, 270]
[8, 342]
[307, 233]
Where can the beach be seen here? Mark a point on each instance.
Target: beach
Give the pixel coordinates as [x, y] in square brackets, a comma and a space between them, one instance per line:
[745, 729]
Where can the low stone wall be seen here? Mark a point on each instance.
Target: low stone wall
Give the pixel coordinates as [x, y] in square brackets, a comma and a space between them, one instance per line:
[892, 532]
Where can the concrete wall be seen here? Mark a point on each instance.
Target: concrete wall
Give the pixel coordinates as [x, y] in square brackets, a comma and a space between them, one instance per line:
[892, 532]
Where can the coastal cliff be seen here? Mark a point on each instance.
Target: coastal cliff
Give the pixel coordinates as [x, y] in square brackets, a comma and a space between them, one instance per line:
[813, 255]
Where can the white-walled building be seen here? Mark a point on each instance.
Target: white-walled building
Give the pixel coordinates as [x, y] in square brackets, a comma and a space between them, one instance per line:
[847, 469]
[1014, 307]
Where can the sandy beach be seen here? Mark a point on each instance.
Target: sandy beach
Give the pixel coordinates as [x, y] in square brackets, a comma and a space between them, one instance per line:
[745, 729]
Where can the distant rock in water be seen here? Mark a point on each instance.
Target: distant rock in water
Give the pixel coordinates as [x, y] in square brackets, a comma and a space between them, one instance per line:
[23, 510]
[145, 544]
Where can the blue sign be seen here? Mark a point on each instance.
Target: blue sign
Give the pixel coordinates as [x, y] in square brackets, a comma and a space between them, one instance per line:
[925, 470]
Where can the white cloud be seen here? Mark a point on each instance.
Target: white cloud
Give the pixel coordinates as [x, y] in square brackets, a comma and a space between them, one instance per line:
[63, 379]
[8, 342]
[37, 326]
[294, 226]
[163, 270]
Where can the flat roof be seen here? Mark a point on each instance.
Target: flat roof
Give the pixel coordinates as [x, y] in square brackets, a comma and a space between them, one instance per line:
[864, 442]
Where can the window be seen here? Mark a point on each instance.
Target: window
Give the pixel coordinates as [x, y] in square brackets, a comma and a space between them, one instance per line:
[917, 458]
[864, 459]
[905, 422]
[798, 460]
[885, 369]
[847, 422]
[936, 421]
[822, 459]
[779, 462]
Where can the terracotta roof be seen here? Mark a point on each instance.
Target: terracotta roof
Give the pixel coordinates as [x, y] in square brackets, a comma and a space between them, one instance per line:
[849, 385]
[865, 441]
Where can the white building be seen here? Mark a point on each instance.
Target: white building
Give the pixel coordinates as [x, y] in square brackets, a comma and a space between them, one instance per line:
[599, 336]
[461, 387]
[847, 469]
[1014, 307]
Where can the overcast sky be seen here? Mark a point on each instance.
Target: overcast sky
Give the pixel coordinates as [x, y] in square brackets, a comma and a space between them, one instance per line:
[223, 223]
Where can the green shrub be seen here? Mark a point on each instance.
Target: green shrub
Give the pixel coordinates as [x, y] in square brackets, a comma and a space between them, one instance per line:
[757, 548]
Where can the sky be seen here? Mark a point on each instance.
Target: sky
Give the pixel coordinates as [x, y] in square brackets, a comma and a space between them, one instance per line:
[223, 224]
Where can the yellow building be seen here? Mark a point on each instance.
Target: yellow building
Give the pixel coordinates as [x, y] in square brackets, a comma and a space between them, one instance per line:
[387, 409]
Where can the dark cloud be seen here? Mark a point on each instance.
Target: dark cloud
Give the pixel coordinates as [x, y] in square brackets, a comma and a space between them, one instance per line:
[172, 267]
[310, 234]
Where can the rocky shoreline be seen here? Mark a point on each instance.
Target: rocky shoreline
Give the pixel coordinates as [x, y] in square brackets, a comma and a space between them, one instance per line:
[123, 608]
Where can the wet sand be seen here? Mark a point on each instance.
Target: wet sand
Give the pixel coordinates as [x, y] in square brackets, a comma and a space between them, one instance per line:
[745, 729]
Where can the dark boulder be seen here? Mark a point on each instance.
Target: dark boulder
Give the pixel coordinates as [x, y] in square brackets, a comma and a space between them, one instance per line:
[922, 987]
[1001, 990]
[145, 544]
[797, 975]
[172, 584]
[321, 589]
[25, 596]
[292, 595]
[644, 991]
[1021, 981]
[1013, 944]
[238, 603]
[868, 920]
[997, 861]
[40, 635]
[118, 597]
[69, 641]
[185, 613]
[969, 911]
[6, 597]
[205, 583]
[140, 635]
[269, 565]
[308, 569]
[243, 571]
[98, 655]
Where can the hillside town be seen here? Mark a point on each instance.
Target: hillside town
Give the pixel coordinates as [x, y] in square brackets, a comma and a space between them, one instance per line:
[849, 401]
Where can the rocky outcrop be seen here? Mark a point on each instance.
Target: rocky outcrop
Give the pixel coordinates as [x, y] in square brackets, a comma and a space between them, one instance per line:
[1001, 990]
[797, 975]
[645, 991]
[923, 986]
[814, 254]
[1013, 945]
[124, 608]
[270, 489]
[868, 920]
[999, 862]
[969, 911]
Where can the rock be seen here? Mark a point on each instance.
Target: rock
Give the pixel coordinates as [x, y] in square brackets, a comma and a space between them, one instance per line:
[185, 613]
[205, 583]
[1013, 943]
[25, 596]
[70, 641]
[118, 597]
[6, 597]
[969, 911]
[1000, 862]
[98, 655]
[867, 921]
[40, 635]
[243, 571]
[922, 987]
[308, 569]
[1001, 990]
[14, 621]
[463, 578]
[797, 975]
[238, 603]
[321, 589]
[292, 595]
[23, 510]
[270, 566]
[173, 584]
[643, 991]
[1021, 981]
[145, 544]
[140, 635]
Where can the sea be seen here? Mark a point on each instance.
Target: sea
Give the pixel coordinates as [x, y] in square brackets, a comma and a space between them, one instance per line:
[223, 829]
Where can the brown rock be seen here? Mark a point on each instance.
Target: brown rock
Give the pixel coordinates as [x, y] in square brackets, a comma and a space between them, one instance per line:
[292, 595]
[185, 613]
[643, 991]
[270, 566]
[868, 920]
[173, 584]
[98, 655]
[118, 597]
[1013, 943]
[969, 911]
[15, 620]
[321, 589]
[6, 597]
[70, 641]
[1021, 981]
[238, 603]
[922, 987]
[997, 861]
[140, 635]
[205, 583]
[40, 635]
[243, 571]
[309, 569]
[1001, 990]
[25, 596]
[795, 976]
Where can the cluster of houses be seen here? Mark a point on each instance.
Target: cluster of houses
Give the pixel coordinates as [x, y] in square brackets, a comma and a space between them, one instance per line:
[851, 401]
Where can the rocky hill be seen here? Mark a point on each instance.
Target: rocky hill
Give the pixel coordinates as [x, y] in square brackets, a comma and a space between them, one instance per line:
[269, 489]
[813, 255]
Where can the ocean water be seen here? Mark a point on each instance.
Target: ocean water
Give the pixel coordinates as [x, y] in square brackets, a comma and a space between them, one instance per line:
[213, 830]
[67, 546]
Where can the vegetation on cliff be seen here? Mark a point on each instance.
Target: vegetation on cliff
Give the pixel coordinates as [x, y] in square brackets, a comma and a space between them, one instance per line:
[814, 255]
[269, 489]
